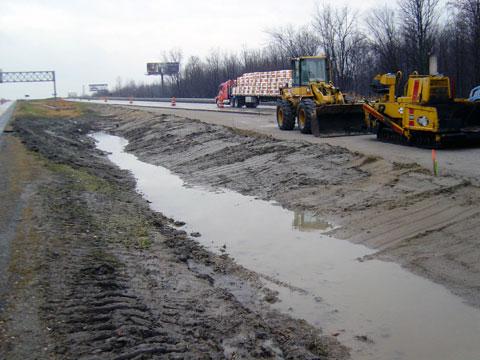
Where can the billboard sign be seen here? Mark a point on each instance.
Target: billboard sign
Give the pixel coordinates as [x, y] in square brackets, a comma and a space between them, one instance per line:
[98, 87]
[153, 68]
[170, 68]
[167, 68]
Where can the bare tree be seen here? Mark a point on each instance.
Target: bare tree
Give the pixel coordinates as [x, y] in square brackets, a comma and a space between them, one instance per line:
[295, 42]
[174, 55]
[340, 38]
[470, 14]
[419, 28]
[390, 42]
[385, 38]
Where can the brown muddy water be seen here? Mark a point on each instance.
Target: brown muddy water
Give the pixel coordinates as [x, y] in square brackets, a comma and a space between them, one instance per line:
[377, 308]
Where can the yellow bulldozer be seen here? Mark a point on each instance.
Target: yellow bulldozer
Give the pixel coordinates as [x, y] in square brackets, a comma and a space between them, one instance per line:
[314, 103]
[427, 115]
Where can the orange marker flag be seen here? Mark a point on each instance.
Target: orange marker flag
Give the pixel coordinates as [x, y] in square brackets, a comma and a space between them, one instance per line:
[435, 163]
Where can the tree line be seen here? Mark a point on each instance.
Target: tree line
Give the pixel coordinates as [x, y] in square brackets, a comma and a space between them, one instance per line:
[387, 39]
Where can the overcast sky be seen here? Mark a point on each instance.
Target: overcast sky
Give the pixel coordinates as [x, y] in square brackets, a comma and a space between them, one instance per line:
[97, 41]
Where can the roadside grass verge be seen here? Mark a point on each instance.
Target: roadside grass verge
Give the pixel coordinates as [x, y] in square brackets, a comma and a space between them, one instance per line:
[101, 202]
[49, 109]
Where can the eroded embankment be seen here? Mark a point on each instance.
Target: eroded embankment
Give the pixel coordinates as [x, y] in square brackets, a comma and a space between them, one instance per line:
[427, 223]
[98, 275]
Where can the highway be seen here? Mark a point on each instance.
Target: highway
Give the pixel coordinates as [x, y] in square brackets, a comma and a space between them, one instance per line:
[262, 109]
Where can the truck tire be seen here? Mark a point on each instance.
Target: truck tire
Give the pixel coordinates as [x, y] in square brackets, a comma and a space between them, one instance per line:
[306, 114]
[252, 105]
[240, 102]
[285, 115]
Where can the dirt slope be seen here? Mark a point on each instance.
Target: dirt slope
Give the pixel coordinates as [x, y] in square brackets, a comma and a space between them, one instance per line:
[428, 224]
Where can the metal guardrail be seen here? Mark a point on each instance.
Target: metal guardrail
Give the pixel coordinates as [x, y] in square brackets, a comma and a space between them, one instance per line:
[6, 116]
[181, 100]
[184, 100]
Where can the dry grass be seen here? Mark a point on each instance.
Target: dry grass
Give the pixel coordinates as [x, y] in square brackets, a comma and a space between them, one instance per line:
[49, 109]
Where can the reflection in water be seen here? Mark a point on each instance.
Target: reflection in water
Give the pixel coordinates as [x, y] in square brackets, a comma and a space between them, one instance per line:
[306, 220]
[401, 315]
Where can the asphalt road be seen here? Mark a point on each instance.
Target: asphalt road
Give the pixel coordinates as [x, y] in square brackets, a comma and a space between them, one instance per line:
[6, 111]
[458, 162]
[267, 109]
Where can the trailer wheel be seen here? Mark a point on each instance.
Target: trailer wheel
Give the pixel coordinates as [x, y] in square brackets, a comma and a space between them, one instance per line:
[252, 105]
[285, 115]
[306, 114]
[240, 102]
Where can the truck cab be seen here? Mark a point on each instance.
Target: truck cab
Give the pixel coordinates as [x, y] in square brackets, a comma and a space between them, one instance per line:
[224, 93]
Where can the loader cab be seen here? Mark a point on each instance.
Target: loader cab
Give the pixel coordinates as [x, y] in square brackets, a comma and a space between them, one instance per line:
[308, 69]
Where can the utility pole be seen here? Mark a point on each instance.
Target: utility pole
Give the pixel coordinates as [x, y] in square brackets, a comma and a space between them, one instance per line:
[163, 84]
[54, 86]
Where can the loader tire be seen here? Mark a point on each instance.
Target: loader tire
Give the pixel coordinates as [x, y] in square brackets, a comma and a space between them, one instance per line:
[306, 115]
[285, 115]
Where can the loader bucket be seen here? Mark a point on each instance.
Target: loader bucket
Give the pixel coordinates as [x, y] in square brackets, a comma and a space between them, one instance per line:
[339, 120]
[459, 123]
[458, 116]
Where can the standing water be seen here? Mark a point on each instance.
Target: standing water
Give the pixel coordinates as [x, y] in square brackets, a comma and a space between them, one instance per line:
[377, 308]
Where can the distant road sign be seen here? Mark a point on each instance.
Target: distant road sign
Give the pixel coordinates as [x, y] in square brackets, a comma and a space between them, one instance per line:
[98, 87]
[29, 76]
[167, 68]
[153, 68]
[170, 68]
[26, 76]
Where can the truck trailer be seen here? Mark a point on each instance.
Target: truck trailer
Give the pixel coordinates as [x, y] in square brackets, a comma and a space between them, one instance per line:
[252, 88]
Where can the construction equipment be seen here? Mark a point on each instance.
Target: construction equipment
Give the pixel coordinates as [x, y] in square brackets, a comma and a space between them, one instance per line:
[319, 107]
[427, 115]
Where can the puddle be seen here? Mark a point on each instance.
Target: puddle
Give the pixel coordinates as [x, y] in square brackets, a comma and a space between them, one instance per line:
[377, 308]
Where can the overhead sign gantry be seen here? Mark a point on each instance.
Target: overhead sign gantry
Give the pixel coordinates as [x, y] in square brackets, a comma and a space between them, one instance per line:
[29, 76]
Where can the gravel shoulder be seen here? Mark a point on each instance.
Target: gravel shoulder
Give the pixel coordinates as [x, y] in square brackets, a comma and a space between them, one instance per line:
[428, 224]
[93, 273]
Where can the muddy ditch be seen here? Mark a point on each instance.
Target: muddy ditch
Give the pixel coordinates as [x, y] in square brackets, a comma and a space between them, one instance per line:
[426, 223]
[112, 279]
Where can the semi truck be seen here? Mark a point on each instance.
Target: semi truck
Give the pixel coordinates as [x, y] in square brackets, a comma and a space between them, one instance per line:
[251, 89]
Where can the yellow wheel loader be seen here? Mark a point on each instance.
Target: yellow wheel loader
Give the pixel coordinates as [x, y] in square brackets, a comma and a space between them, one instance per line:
[315, 104]
[427, 115]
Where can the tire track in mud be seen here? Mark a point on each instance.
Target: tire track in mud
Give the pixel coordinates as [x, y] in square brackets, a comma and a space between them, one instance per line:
[113, 279]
